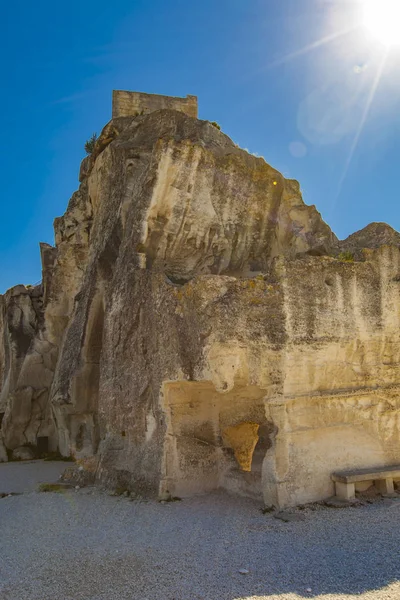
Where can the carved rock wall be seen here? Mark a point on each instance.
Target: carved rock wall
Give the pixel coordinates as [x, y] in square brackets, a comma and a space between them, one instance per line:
[199, 327]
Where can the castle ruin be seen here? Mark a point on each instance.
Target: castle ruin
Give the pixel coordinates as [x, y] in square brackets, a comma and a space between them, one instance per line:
[132, 104]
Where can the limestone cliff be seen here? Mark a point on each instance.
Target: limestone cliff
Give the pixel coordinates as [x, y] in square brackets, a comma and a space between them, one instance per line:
[198, 326]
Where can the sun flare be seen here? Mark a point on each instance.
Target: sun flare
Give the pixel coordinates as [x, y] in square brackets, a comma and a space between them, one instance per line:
[382, 19]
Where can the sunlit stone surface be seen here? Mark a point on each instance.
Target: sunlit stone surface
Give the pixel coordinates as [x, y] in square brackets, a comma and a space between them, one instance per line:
[192, 299]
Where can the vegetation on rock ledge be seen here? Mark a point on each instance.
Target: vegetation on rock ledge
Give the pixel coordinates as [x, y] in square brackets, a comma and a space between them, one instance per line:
[90, 144]
[215, 124]
[346, 256]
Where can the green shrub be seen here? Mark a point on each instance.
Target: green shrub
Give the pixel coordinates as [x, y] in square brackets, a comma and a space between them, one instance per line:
[346, 256]
[90, 144]
[215, 124]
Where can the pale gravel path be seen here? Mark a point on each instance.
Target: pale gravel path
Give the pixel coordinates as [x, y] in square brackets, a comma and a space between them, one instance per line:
[87, 545]
[25, 476]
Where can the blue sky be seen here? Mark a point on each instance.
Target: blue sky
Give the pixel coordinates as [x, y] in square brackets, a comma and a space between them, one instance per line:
[246, 60]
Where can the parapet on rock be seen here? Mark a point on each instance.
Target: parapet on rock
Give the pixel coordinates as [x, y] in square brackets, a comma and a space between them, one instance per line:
[132, 104]
[200, 327]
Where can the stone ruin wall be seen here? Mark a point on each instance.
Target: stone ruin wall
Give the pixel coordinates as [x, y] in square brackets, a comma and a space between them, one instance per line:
[199, 327]
[128, 104]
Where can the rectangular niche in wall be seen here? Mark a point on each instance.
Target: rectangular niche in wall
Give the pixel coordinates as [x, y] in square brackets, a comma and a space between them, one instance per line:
[42, 445]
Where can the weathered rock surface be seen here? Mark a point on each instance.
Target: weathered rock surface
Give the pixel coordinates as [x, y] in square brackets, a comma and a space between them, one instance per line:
[3, 452]
[373, 235]
[194, 329]
[23, 453]
[27, 363]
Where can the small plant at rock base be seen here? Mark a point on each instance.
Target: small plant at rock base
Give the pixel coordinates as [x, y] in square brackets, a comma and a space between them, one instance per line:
[346, 256]
[58, 488]
[215, 124]
[90, 144]
[121, 491]
[56, 456]
[171, 499]
[267, 509]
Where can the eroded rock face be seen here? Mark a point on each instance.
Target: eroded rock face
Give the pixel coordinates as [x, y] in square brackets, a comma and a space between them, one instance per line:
[195, 329]
[26, 369]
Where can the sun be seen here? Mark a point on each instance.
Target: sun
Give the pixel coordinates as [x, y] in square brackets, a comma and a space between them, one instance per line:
[382, 19]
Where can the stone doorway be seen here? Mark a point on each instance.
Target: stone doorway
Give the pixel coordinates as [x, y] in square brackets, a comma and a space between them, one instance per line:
[42, 444]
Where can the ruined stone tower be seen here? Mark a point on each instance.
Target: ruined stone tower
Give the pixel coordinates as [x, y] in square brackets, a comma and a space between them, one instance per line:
[132, 104]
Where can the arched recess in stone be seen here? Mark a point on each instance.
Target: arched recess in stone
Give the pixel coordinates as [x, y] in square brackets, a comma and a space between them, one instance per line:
[214, 440]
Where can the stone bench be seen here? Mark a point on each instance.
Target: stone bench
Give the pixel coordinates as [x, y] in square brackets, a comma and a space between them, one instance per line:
[382, 477]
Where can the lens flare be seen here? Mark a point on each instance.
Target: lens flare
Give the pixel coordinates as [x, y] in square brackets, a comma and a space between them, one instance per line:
[382, 19]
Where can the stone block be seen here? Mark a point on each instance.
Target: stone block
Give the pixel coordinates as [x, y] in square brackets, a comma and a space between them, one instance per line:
[385, 486]
[345, 491]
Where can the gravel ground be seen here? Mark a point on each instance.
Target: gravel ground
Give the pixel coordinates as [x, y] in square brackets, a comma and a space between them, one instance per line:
[89, 545]
[25, 476]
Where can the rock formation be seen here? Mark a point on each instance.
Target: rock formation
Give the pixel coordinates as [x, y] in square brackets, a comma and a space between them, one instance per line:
[198, 326]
